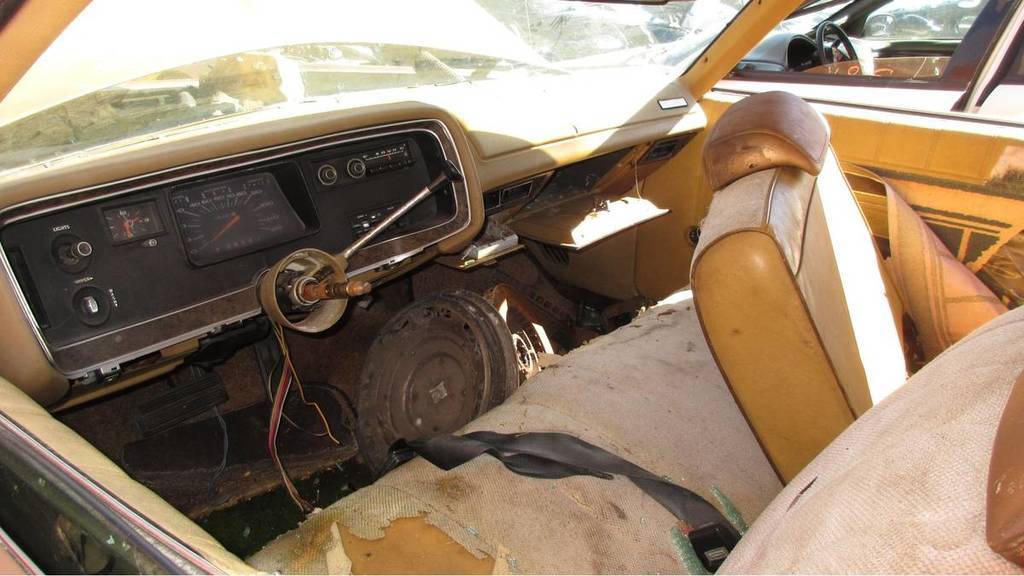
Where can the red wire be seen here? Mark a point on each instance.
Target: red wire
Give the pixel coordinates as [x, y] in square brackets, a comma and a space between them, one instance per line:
[275, 422]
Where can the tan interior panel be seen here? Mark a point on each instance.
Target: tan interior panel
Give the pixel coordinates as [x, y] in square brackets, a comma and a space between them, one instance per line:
[605, 268]
[21, 356]
[32, 28]
[579, 223]
[664, 250]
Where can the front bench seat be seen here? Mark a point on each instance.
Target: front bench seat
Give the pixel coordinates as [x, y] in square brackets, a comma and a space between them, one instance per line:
[787, 281]
[649, 392]
[902, 490]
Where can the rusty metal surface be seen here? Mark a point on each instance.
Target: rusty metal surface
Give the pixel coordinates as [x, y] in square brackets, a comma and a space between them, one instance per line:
[435, 366]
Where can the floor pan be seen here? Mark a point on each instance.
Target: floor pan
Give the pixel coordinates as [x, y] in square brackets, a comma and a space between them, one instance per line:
[219, 461]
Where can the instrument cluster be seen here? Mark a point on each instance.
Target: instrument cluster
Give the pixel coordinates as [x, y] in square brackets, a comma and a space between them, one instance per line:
[226, 218]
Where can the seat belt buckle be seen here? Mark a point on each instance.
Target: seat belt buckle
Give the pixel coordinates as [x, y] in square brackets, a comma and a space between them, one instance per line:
[398, 454]
[713, 543]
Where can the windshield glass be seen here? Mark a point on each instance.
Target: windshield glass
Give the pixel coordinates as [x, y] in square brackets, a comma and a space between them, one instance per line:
[126, 70]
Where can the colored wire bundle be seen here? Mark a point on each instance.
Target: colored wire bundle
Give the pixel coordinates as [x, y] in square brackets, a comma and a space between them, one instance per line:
[289, 376]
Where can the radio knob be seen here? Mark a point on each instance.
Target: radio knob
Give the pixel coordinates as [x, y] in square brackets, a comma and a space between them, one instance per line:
[327, 174]
[356, 168]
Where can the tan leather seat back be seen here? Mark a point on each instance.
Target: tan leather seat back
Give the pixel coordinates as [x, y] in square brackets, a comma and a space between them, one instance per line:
[787, 281]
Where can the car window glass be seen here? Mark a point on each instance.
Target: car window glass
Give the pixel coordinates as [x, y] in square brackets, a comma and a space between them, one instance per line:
[922, 19]
[898, 41]
[126, 76]
[58, 530]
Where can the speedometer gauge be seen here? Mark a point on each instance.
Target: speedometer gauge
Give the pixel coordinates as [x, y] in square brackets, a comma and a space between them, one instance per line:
[226, 218]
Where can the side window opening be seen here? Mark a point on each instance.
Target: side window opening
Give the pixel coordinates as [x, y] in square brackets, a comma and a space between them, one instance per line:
[922, 20]
[894, 43]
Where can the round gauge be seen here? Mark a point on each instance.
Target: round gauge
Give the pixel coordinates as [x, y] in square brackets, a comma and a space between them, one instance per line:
[133, 222]
[227, 218]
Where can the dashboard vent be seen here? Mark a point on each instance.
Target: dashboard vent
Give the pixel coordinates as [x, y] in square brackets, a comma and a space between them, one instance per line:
[665, 149]
[492, 200]
[517, 192]
[556, 254]
[495, 200]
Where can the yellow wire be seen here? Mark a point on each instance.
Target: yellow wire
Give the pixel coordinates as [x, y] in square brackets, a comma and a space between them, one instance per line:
[283, 344]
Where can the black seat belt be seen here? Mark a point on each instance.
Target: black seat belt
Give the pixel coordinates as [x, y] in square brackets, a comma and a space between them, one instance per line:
[553, 455]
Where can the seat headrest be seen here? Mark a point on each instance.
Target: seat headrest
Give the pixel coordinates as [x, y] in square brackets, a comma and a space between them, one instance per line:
[763, 131]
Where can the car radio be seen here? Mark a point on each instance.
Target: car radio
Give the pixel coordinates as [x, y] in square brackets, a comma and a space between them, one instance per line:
[385, 158]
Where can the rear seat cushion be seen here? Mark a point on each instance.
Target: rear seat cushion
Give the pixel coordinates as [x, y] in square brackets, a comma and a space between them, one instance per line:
[649, 392]
[903, 489]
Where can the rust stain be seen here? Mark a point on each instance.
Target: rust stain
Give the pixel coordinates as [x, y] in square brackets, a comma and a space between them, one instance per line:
[452, 487]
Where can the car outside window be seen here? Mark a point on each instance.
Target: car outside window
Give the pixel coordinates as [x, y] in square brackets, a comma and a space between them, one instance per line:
[922, 20]
[901, 54]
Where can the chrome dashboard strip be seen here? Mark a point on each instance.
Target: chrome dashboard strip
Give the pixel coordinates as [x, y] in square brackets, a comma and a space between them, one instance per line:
[258, 156]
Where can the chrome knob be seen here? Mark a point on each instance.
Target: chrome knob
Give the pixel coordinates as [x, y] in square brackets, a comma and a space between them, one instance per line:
[82, 249]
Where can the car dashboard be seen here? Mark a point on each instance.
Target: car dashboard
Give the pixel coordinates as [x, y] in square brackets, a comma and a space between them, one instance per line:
[122, 261]
[130, 268]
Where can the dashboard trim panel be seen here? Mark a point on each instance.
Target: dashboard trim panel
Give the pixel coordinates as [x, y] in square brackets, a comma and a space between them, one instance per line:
[130, 342]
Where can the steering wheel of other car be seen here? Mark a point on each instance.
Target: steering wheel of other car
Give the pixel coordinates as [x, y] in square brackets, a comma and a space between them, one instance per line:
[830, 31]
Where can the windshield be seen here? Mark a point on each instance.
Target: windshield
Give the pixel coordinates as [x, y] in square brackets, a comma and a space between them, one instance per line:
[126, 70]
